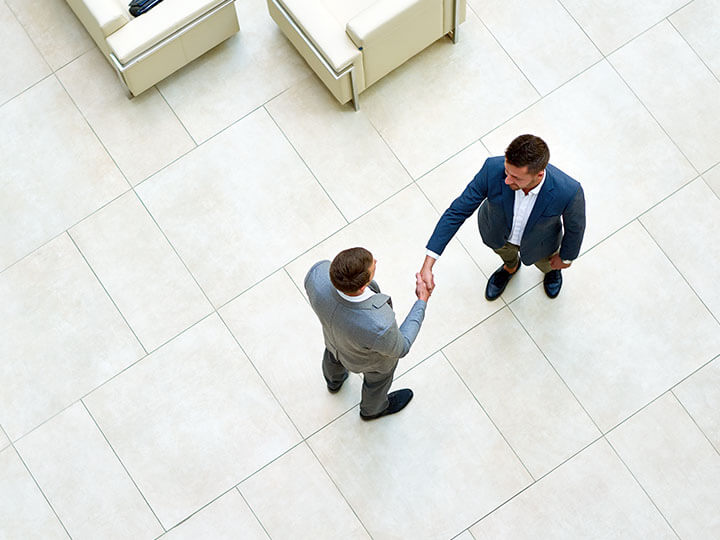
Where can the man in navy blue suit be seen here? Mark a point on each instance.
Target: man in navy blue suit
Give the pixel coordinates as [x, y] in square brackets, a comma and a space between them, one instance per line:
[530, 212]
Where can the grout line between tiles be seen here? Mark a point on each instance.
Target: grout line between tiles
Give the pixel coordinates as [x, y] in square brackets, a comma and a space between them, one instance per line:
[672, 391]
[157, 88]
[33, 85]
[237, 488]
[717, 78]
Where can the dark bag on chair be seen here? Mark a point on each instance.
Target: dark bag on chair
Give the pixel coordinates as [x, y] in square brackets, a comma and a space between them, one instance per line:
[138, 7]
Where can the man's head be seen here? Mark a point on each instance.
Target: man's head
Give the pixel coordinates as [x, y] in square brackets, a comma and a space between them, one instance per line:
[525, 160]
[352, 269]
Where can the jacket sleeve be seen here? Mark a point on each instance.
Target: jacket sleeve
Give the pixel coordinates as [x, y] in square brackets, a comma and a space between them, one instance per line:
[574, 225]
[396, 342]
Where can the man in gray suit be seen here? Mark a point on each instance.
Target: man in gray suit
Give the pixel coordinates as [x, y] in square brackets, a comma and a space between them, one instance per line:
[359, 328]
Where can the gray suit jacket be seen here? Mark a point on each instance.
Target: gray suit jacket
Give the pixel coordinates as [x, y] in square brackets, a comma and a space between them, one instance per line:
[363, 336]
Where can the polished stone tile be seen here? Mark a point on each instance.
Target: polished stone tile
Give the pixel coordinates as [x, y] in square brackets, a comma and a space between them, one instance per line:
[22, 64]
[612, 23]
[56, 172]
[279, 332]
[446, 97]
[604, 334]
[690, 240]
[231, 208]
[550, 49]
[24, 512]
[227, 518]
[142, 134]
[699, 24]
[520, 391]
[427, 472]
[237, 76]
[598, 132]
[143, 275]
[396, 233]
[4, 441]
[84, 481]
[591, 496]
[700, 395]
[675, 464]
[293, 497]
[191, 420]
[712, 178]
[677, 88]
[54, 29]
[344, 151]
[61, 336]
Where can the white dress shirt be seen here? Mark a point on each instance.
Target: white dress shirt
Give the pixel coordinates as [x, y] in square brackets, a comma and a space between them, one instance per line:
[367, 293]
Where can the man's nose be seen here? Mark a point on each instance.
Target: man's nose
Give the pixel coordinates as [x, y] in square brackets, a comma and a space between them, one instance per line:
[507, 180]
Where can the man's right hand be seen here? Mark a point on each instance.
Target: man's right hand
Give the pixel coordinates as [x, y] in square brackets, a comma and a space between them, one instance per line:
[421, 289]
[426, 273]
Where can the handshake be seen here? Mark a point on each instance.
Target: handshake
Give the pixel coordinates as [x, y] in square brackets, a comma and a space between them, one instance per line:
[424, 280]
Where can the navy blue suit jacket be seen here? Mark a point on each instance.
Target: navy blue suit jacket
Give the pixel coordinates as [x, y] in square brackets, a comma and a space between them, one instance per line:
[556, 221]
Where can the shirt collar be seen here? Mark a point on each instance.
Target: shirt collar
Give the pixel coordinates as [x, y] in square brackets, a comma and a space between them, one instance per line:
[367, 293]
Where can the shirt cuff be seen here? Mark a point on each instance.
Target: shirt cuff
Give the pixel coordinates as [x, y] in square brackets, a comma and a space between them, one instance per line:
[432, 254]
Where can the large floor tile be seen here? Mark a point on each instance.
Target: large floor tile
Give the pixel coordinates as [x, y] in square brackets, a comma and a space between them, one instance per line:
[191, 420]
[4, 441]
[612, 23]
[446, 97]
[22, 64]
[142, 134]
[293, 497]
[61, 336]
[143, 275]
[520, 391]
[598, 132]
[340, 146]
[84, 481]
[700, 395]
[686, 226]
[699, 24]
[279, 332]
[396, 233]
[227, 518]
[24, 512]
[591, 496]
[428, 472]
[55, 171]
[550, 49]
[237, 76]
[712, 178]
[677, 88]
[676, 465]
[604, 334]
[231, 208]
[54, 28]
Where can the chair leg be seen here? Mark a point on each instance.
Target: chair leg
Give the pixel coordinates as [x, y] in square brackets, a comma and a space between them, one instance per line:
[353, 87]
[456, 22]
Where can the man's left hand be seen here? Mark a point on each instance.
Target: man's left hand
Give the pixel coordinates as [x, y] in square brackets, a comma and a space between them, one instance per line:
[556, 263]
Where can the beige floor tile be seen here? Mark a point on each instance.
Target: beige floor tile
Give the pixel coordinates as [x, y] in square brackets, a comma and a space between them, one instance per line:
[446, 97]
[700, 395]
[143, 275]
[54, 28]
[228, 518]
[604, 334]
[4, 441]
[61, 336]
[675, 464]
[677, 88]
[279, 332]
[191, 420]
[142, 134]
[22, 64]
[598, 132]
[237, 76]
[699, 24]
[690, 240]
[427, 472]
[293, 497]
[591, 496]
[55, 170]
[612, 23]
[231, 208]
[24, 512]
[712, 178]
[340, 146]
[84, 481]
[464, 536]
[550, 49]
[396, 233]
[520, 391]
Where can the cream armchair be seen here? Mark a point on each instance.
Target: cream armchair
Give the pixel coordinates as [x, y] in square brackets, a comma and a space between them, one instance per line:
[146, 49]
[350, 44]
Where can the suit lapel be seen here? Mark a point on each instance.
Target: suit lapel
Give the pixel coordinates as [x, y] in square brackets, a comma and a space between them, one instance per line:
[508, 200]
[543, 199]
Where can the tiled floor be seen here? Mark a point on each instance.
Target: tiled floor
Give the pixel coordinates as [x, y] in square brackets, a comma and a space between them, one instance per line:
[160, 365]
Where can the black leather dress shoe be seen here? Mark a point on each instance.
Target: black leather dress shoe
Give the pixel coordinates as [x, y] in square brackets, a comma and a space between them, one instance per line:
[335, 387]
[398, 400]
[552, 283]
[498, 281]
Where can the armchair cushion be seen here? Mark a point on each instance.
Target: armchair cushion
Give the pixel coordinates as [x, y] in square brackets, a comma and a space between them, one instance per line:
[110, 15]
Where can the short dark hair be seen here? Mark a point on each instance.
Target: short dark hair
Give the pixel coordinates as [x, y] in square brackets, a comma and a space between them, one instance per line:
[530, 151]
[350, 269]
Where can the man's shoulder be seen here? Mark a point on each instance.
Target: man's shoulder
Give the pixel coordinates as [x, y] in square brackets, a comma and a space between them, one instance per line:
[562, 179]
[319, 273]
